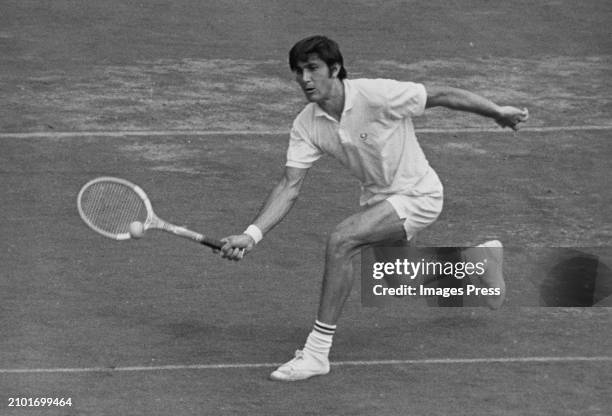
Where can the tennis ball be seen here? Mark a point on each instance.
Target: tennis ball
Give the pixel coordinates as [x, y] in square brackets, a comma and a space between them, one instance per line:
[136, 229]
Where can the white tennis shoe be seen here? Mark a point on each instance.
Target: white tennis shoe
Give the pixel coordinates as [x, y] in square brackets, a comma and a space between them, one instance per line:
[494, 275]
[302, 367]
[492, 255]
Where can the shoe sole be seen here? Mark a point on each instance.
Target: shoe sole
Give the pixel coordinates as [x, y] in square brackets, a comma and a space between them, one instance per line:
[280, 378]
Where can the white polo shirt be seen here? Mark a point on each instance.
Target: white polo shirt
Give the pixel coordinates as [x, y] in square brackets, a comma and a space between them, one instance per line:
[374, 139]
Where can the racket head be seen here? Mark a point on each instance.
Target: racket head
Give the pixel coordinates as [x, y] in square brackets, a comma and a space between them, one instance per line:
[109, 205]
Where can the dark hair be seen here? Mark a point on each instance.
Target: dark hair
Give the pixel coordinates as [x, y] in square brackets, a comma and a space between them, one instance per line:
[326, 49]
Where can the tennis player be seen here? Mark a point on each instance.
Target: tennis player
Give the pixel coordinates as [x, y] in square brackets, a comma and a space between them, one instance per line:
[367, 125]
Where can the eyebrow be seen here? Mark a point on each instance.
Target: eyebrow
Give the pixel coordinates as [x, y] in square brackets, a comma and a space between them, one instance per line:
[307, 64]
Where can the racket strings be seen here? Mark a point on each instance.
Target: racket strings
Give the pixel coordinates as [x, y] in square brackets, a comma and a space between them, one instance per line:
[111, 207]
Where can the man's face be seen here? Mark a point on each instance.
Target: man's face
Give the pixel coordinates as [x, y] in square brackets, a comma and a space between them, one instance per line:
[315, 78]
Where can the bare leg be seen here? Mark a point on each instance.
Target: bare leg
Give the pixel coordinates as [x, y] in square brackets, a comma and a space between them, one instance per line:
[376, 224]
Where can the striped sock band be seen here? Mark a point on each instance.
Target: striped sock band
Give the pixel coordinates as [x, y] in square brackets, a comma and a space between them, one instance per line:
[324, 329]
[320, 340]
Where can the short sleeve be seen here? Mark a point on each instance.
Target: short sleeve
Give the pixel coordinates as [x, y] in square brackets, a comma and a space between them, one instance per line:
[405, 99]
[302, 152]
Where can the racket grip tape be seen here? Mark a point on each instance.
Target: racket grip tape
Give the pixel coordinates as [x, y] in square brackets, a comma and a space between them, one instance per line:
[211, 242]
[200, 238]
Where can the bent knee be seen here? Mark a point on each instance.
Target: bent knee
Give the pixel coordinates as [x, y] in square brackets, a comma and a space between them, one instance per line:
[342, 241]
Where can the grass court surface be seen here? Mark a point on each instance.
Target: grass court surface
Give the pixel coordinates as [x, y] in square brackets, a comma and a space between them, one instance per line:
[193, 101]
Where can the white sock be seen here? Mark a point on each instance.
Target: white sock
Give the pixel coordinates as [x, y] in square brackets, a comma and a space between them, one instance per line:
[319, 341]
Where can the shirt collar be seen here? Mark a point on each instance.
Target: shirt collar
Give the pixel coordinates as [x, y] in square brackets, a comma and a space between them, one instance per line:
[349, 95]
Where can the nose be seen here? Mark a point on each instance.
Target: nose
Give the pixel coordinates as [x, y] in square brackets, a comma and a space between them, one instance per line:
[303, 77]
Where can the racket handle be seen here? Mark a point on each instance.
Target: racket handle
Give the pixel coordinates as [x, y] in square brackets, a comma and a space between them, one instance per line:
[192, 235]
[211, 242]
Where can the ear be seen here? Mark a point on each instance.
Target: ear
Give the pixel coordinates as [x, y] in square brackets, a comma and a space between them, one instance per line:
[335, 70]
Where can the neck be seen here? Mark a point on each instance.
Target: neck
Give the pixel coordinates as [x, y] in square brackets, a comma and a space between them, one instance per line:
[334, 104]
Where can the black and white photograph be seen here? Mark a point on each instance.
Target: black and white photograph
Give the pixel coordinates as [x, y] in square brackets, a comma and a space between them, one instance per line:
[306, 208]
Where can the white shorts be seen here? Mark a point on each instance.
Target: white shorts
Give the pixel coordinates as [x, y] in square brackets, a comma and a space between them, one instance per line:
[417, 211]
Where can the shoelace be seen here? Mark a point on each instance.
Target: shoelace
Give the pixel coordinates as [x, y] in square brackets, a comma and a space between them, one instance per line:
[299, 355]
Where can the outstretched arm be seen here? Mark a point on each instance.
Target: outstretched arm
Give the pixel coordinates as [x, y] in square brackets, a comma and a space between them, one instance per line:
[277, 205]
[462, 100]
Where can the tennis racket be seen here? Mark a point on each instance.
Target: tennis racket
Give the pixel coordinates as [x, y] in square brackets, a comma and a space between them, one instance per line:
[109, 205]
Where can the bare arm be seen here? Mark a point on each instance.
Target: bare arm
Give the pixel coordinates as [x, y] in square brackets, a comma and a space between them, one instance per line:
[281, 199]
[462, 100]
[278, 204]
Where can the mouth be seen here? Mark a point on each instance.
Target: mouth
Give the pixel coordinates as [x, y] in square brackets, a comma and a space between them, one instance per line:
[310, 90]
